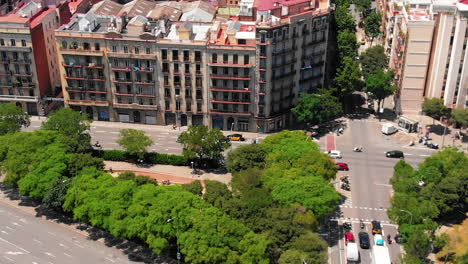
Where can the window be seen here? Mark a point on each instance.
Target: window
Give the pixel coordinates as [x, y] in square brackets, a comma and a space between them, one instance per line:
[188, 107]
[188, 81]
[199, 94]
[74, 45]
[199, 107]
[235, 71]
[13, 42]
[164, 54]
[175, 55]
[17, 69]
[86, 46]
[27, 69]
[140, 101]
[23, 43]
[214, 70]
[246, 72]
[241, 41]
[187, 68]
[246, 59]
[129, 100]
[176, 67]
[137, 50]
[125, 48]
[186, 55]
[176, 80]
[198, 82]
[197, 56]
[166, 80]
[97, 46]
[2, 42]
[151, 102]
[165, 67]
[214, 58]
[114, 48]
[235, 59]
[148, 51]
[198, 68]
[225, 58]
[226, 70]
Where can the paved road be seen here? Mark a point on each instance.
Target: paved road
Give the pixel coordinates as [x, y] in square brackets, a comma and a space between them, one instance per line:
[370, 172]
[107, 133]
[25, 238]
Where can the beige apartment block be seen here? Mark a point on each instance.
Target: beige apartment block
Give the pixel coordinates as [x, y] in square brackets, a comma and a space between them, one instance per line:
[179, 63]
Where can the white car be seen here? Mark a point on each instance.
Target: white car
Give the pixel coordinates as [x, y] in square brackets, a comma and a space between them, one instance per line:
[335, 154]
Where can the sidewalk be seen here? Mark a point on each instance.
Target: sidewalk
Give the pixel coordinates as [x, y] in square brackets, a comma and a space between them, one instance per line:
[175, 174]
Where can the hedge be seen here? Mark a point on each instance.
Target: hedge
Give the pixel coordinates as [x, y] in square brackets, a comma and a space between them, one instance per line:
[150, 157]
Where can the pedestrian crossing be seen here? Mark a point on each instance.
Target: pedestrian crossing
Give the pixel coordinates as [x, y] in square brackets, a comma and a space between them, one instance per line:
[362, 207]
[358, 220]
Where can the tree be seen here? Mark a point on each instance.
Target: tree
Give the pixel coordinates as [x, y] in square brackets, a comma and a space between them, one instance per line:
[434, 108]
[372, 60]
[194, 187]
[311, 244]
[460, 116]
[348, 77]
[200, 143]
[55, 197]
[379, 85]
[217, 193]
[73, 125]
[12, 118]
[245, 157]
[77, 162]
[347, 44]
[317, 108]
[363, 5]
[344, 19]
[245, 180]
[134, 141]
[372, 25]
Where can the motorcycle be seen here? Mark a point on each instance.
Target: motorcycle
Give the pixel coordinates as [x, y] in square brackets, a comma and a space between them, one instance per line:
[347, 226]
[345, 187]
[389, 239]
[361, 223]
[411, 143]
[357, 149]
[344, 177]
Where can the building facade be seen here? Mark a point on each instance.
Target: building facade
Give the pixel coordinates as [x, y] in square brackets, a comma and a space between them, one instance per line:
[179, 63]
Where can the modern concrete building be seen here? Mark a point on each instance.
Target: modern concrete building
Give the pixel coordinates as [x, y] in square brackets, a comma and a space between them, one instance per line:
[426, 43]
[180, 63]
[30, 68]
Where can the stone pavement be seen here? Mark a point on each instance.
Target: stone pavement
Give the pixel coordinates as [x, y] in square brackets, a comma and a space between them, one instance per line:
[175, 174]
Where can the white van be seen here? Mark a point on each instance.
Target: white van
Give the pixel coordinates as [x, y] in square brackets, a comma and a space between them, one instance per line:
[352, 253]
[388, 129]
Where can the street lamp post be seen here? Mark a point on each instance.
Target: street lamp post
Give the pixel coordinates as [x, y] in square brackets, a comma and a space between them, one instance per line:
[411, 215]
[177, 239]
[232, 126]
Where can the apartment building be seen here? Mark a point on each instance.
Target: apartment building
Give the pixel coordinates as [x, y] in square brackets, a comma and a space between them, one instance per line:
[180, 63]
[28, 53]
[426, 44]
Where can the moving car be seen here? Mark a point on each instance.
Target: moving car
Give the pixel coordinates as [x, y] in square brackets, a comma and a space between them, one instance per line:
[236, 137]
[376, 227]
[379, 241]
[335, 154]
[364, 240]
[349, 237]
[342, 166]
[388, 129]
[352, 253]
[394, 154]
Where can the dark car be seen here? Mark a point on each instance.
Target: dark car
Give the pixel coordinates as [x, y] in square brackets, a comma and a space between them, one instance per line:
[342, 166]
[376, 227]
[236, 137]
[394, 154]
[364, 240]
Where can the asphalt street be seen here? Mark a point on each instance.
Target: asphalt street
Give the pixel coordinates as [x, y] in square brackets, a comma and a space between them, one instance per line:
[164, 138]
[369, 173]
[25, 239]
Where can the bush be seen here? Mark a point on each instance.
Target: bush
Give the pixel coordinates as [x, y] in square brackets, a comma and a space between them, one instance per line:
[114, 155]
[151, 157]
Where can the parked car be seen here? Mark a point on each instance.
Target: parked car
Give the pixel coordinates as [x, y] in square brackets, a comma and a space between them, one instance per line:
[394, 154]
[349, 237]
[236, 137]
[335, 154]
[376, 227]
[342, 166]
[364, 240]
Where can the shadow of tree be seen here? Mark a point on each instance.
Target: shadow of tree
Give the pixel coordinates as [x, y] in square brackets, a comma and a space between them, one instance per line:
[439, 129]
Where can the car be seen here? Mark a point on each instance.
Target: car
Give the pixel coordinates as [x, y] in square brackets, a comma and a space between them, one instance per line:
[236, 137]
[376, 227]
[342, 166]
[364, 240]
[349, 237]
[334, 154]
[394, 154]
[379, 241]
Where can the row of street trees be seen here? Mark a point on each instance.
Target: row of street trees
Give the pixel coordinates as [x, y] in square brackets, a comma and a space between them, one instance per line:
[424, 198]
[436, 109]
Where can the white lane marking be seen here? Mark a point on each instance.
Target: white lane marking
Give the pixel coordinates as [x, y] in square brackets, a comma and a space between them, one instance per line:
[383, 184]
[9, 228]
[14, 253]
[114, 132]
[365, 208]
[49, 254]
[100, 131]
[78, 245]
[16, 224]
[23, 220]
[408, 154]
[164, 133]
[37, 241]
[35, 126]
[70, 256]
[18, 247]
[62, 245]
[424, 155]
[9, 258]
[113, 143]
[4, 232]
[51, 233]
[111, 260]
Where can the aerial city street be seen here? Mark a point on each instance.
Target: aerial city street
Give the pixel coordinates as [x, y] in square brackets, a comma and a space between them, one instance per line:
[244, 132]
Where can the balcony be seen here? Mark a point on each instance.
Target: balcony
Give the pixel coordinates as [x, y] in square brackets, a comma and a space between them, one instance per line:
[285, 75]
[245, 90]
[230, 64]
[143, 69]
[16, 48]
[122, 69]
[138, 95]
[282, 51]
[87, 102]
[145, 82]
[232, 77]
[125, 81]
[234, 101]
[78, 90]
[24, 74]
[87, 52]
[131, 55]
[227, 112]
[19, 98]
[294, 60]
[86, 78]
[89, 65]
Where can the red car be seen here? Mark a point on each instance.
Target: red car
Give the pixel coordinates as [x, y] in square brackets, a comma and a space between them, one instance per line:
[342, 166]
[349, 237]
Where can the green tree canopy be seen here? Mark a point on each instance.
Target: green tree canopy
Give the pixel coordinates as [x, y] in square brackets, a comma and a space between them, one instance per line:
[460, 116]
[317, 108]
[347, 44]
[344, 19]
[134, 141]
[363, 5]
[434, 108]
[245, 157]
[217, 193]
[373, 60]
[195, 187]
[348, 77]
[12, 118]
[379, 85]
[372, 25]
[73, 125]
[200, 143]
